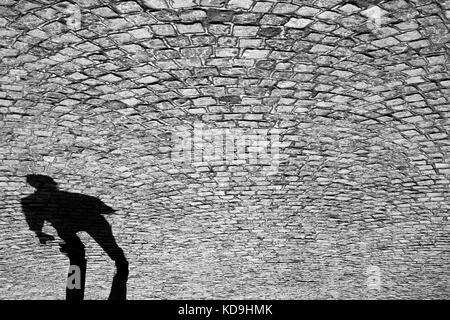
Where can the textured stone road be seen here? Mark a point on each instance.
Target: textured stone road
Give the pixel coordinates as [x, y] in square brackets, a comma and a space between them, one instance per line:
[94, 91]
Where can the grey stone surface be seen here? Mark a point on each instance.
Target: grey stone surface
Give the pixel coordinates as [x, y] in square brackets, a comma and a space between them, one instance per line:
[361, 102]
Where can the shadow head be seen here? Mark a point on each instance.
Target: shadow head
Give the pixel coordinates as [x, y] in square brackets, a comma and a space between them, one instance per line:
[40, 181]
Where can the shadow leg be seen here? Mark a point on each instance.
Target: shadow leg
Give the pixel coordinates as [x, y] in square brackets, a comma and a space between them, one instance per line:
[104, 237]
[76, 278]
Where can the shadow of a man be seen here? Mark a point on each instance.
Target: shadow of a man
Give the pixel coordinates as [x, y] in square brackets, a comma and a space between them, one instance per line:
[70, 213]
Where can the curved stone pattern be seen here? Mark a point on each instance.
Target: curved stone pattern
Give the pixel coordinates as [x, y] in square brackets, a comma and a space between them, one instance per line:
[97, 95]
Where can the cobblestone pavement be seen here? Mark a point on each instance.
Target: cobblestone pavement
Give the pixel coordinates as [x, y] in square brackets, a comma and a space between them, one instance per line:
[94, 91]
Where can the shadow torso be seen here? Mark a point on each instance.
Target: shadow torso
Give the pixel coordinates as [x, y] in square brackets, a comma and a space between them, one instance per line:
[65, 211]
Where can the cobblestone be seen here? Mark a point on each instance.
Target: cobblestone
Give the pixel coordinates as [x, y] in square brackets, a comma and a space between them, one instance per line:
[360, 101]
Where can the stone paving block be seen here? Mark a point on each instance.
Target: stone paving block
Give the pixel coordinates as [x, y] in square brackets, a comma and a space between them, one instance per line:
[192, 15]
[213, 3]
[198, 52]
[216, 15]
[281, 55]
[128, 7]
[246, 18]
[250, 43]
[298, 23]
[240, 4]
[275, 20]
[269, 32]
[181, 41]
[409, 36]
[387, 42]
[255, 54]
[155, 4]
[245, 31]
[176, 4]
[349, 8]
[204, 101]
[262, 6]
[284, 8]
[190, 28]
[203, 40]
[227, 41]
[148, 79]
[226, 52]
[308, 11]
[163, 30]
[218, 29]
[142, 33]
[105, 12]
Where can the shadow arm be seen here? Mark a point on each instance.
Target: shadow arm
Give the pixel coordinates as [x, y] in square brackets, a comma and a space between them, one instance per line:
[33, 218]
[35, 222]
